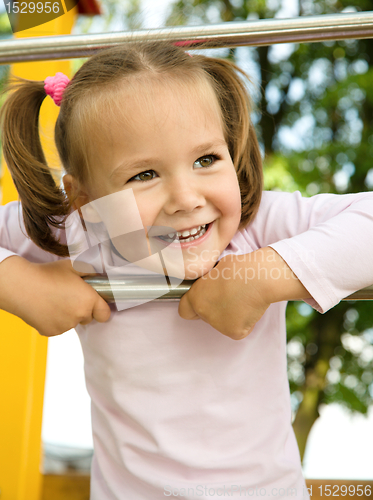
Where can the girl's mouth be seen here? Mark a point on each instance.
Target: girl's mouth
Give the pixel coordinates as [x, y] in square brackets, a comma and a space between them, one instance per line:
[184, 241]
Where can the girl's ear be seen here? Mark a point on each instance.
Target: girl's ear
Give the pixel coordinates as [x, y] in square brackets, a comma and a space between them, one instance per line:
[74, 192]
[81, 198]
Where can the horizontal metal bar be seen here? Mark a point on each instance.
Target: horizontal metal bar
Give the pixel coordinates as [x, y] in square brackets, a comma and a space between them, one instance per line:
[145, 288]
[234, 34]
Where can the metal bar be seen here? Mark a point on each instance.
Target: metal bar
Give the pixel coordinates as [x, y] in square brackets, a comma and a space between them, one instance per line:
[255, 32]
[139, 287]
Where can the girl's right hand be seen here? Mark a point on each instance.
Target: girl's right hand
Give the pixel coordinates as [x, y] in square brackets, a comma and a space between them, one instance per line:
[52, 297]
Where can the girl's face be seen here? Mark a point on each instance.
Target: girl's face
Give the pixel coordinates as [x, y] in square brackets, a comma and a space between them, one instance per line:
[167, 145]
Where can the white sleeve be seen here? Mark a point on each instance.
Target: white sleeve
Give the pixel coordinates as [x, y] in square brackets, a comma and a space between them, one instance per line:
[13, 237]
[327, 241]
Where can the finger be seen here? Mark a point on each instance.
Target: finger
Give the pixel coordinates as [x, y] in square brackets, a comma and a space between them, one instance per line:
[186, 310]
[101, 311]
[86, 320]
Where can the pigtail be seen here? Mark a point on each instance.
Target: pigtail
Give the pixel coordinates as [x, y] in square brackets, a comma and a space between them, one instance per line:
[44, 205]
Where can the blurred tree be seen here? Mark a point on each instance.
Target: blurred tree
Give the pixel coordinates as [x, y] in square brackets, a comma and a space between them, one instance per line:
[5, 28]
[5, 32]
[315, 123]
[116, 16]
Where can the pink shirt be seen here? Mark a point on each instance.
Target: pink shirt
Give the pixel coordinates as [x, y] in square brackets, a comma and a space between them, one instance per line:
[178, 409]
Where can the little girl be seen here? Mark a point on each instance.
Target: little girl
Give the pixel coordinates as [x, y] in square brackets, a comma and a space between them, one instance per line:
[178, 409]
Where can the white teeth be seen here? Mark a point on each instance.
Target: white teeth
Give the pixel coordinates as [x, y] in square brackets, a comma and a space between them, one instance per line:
[192, 238]
[200, 229]
[190, 232]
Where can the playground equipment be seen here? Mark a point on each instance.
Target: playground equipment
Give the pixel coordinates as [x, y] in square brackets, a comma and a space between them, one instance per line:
[258, 32]
[138, 287]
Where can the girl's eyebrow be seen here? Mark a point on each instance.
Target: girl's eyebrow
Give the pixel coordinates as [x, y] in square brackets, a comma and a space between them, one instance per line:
[208, 146]
[133, 166]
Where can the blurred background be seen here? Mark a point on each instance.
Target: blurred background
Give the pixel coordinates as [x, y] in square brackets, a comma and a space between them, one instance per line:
[314, 118]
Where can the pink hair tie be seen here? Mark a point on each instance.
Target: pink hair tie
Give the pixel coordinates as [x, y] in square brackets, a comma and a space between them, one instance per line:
[55, 86]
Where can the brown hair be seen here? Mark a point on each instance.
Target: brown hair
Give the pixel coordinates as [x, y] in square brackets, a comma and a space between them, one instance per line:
[45, 205]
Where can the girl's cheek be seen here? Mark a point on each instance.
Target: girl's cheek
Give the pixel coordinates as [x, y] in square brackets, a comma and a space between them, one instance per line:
[231, 195]
[145, 208]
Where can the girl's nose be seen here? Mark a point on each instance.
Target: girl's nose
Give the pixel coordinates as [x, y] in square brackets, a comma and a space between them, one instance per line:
[183, 196]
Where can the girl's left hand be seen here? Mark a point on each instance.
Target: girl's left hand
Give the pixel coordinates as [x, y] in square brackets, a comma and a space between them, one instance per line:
[226, 299]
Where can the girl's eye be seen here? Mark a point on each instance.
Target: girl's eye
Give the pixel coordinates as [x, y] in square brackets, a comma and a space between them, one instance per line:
[206, 161]
[144, 176]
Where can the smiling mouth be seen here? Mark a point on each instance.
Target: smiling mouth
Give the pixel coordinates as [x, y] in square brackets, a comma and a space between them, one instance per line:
[178, 237]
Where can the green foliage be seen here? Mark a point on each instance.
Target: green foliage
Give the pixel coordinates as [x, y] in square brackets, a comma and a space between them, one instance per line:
[277, 175]
[5, 27]
[123, 15]
[5, 32]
